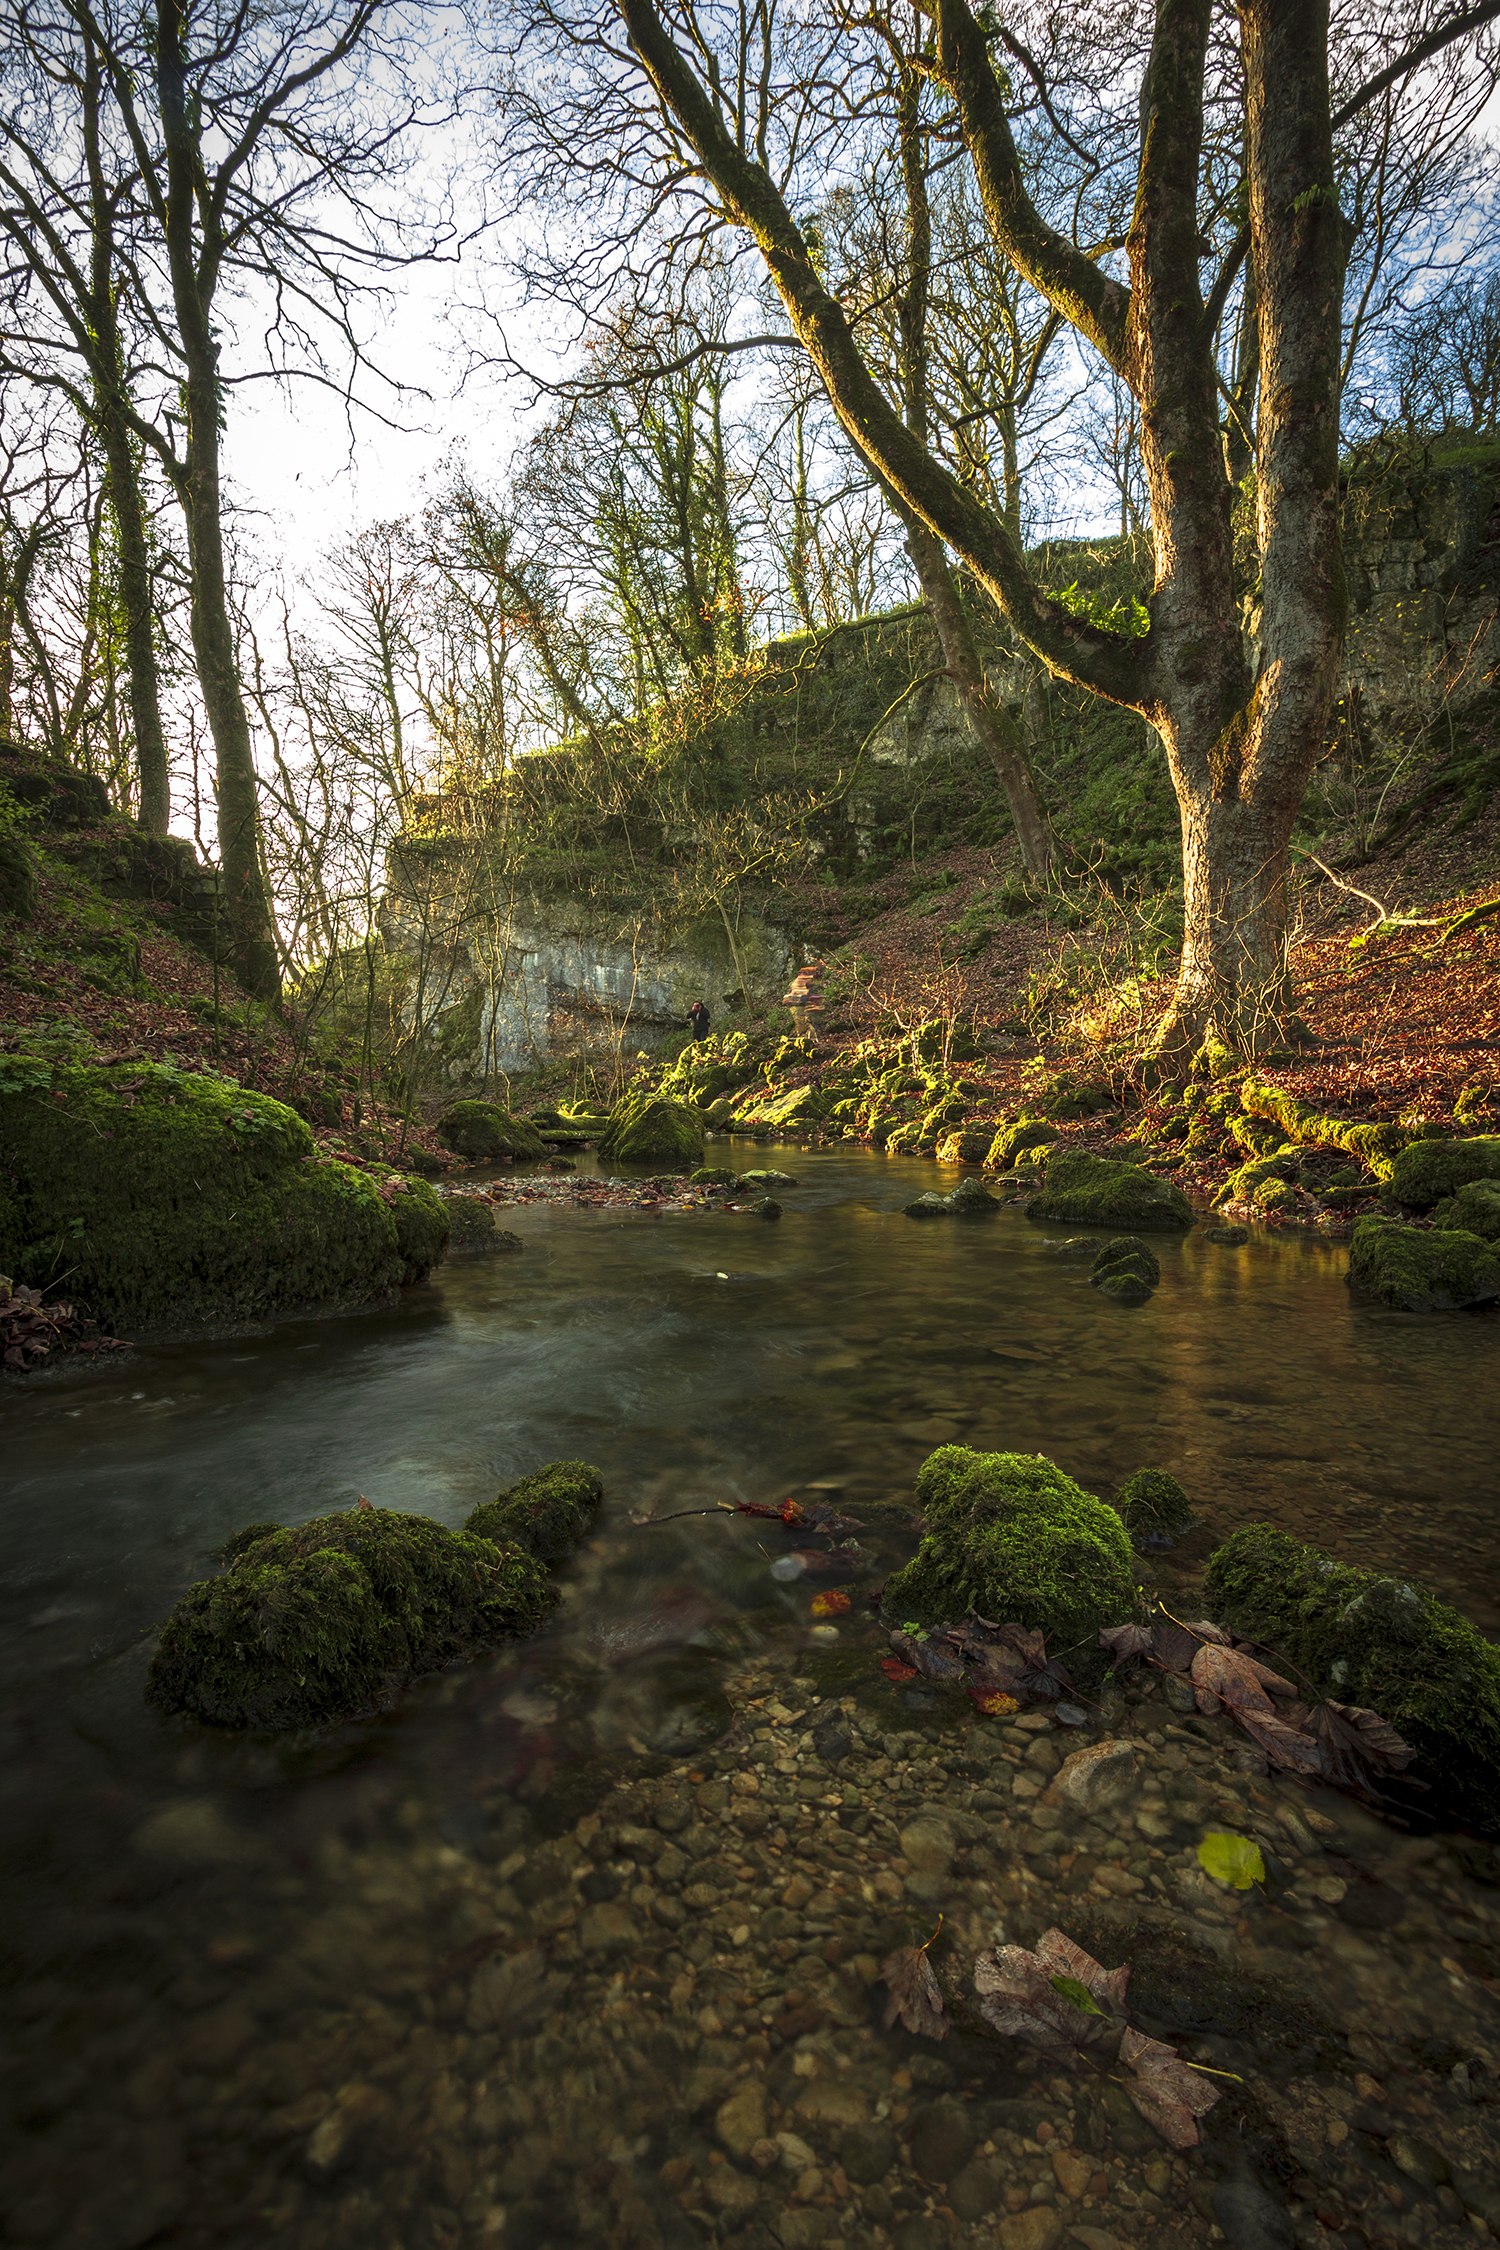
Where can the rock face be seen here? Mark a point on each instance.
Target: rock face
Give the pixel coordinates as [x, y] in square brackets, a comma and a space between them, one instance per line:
[484, 1133]
[1011, 1536]
[337, 1616]
[1384, 1643]
[187, 1202]
[646, 1129]
[547, 1513]
[1093, 1191]
[1421, 1270]
[1426, 1171]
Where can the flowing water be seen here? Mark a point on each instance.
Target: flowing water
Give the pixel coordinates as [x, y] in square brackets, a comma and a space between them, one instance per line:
[500, 1965]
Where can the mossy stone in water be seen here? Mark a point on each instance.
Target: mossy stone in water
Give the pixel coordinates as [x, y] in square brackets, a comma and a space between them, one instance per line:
[179, 1200]
[547, 1513]
[711, 1175]
[1009, 1535]
[1418, 1269]
[474, 1232]
[421, 1217]
[1125, 1271]
[649, 1129]
[336, 1616]
[1094, 1191]
[1475, 1208]
[1385, 1643]
[1154, 1504]
[971, 1199]
[1009, 1142]
[484, 1133]
[1426, 1171]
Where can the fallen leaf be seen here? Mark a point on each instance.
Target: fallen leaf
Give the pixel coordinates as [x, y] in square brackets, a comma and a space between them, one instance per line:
[894, 1669]
[914, 1992]
[1168, 2092]
[1173, 1646]
[1354, 1744]
[1020, 1994]
[1229, 1676]
[1284, 1743]
[1079, 1994]
[993, 1702]
[830, 1605]
[1234, 1860]
[1127, 1644]
[932, 1659]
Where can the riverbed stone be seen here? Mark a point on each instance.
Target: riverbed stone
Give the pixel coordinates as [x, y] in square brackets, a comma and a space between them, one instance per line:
[1040, 2228]
[1251, 2217]
[741, 2121]
[867, 2152]
[942, 2140]
[1099, 1775]
[928, 1843]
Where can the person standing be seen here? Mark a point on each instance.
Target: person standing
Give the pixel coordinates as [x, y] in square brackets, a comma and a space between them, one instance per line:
[699, 1019]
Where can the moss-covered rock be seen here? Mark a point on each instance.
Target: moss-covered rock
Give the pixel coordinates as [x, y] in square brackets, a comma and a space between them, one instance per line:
[1385, 1643]
[971, 1144]
[1125, 1271]
[473, 1228]
[485, 1133]
[178, 1201]
[421, 1216]
[337, 1616]
[799, 1105]
[1420, 1269]
[1094, 1191]
[648, 1129]
[1475, 1208]
[1378, 1144]
[1429, 1170]
[711, 1175]
[1031, 1132]
[1009, 1535]
[971, 1199]
[928, 1206]
[1154, 1505]
[546, 1514]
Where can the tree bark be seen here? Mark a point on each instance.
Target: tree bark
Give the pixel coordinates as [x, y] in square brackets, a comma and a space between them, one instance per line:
[194, 279]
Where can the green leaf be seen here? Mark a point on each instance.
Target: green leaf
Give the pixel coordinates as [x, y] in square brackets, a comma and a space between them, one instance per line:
[1231, 1859]
[1079, 1994]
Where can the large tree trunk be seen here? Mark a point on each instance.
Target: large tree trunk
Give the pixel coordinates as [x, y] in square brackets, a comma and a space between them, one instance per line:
[994, 729]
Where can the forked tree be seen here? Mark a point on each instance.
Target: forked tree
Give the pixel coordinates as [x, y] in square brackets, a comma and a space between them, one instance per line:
[1242, 717]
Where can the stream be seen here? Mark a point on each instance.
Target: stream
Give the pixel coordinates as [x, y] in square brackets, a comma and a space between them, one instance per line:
[580, 1943]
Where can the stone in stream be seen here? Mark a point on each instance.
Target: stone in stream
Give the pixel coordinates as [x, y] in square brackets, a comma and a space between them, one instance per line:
[1154, 1506]
[1093, 1191]
[942, 2140]
[1098, 1776]
[1475, 1209]
[1421, 1269]
[483, 1133]
[1009, 1535]
[650, 1129]
[547, 1513]
[1426, 1171]
[1125, 1271]
[1384, 1643]
[766, 1179]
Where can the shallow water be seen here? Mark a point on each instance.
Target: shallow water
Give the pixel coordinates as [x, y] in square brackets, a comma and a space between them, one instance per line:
[213, 1941]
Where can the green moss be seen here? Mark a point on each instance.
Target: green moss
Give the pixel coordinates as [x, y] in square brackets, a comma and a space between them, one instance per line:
[337, 1616]
[546, 1514]
[1475, 1208]
[648, 1129]
[712, 1175]
[1385, 1643]
[1421, 1269]
[484, 1133]
[1377, 1145]
[1125, 1270]
[421, 1217]
[1429, 1170]
[1009, 1535]
[175, 1201]
[1031, 1132]
[1153, 1503]
[971, 1144]
[1093, 1191]
[18, 875]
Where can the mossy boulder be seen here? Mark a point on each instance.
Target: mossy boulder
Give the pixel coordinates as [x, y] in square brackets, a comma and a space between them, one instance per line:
[1095, 1191]
[1153, 1505]
[546, 1514]
[1031, 1132]
[928, 1206]
[1125, 1271]
[336, 1617]
[485, 1133]
[711, 1175]
[971, 1199]
[1475, 1208]
[971, 1144]
[1009, 1535]
[650, 1129]
[1427, 1171]
[473, 1230]
[422, 1226]
[1420, 1269]
[1382, 1642]
[178, 1201]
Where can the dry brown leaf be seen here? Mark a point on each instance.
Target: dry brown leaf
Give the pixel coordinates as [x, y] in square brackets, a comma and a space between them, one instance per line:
[1284, 1744]
[914, 1993]
[1227, 1675]
[1018, 1994]
[1168, 2092]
